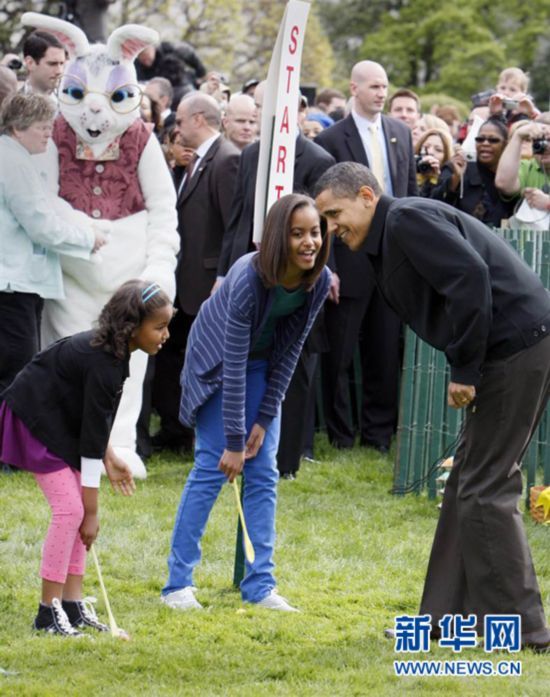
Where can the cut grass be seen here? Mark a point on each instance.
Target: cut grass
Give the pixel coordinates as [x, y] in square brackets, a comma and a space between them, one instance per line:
[348, 554]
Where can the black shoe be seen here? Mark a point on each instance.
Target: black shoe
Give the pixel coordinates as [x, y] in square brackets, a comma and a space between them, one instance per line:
[382, 448]
[81, 614]
[341, 446]
[538, 641]
[537, 648]
[53, 620]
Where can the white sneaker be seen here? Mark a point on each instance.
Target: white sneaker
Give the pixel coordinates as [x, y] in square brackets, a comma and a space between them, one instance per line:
[274, 601]
[183, 599]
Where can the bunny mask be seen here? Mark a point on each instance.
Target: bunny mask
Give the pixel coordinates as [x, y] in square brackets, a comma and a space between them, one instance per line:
[98, 92]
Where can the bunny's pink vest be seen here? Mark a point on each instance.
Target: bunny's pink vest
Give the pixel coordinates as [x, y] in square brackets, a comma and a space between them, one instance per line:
[107, 188]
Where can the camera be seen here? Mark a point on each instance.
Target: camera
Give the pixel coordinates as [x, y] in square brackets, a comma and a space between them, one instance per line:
[422, 167]
[14, 64]
[482, 98]
[510, 104]
[540, 146]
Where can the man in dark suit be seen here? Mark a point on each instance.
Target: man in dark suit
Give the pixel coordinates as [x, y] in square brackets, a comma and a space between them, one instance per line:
[203, 204]
[384, 144]
[309, 163]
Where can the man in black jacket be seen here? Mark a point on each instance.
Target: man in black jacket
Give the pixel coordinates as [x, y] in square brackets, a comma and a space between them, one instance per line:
[463, 290]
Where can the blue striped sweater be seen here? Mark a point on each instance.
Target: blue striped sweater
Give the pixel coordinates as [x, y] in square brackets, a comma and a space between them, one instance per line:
[219, 342]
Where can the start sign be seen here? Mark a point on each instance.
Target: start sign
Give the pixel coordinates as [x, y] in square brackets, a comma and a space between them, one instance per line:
[279, 127]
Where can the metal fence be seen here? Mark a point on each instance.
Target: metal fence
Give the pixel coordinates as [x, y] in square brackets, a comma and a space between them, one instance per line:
[427, 427]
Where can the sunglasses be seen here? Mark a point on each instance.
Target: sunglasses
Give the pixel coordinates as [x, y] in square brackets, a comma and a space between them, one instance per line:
[488, 139]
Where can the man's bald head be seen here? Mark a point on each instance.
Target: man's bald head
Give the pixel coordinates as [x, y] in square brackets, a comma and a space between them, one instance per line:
[369, 87]
[365, 70]
[240, 122]
[205, 105]
[198, 118]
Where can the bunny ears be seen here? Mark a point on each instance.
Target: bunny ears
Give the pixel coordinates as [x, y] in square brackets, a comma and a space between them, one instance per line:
[127, 41]
[123, 45]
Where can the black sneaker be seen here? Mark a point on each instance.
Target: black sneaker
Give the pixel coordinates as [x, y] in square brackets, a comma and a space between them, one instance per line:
[53, 620]
[81, 614]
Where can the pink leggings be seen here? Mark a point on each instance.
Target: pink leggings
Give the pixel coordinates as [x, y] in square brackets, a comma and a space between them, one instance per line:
[63, 552]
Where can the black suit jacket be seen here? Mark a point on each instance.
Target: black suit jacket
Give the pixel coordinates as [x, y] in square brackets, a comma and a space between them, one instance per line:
[343, 142]
[203, 215]
[309, 163]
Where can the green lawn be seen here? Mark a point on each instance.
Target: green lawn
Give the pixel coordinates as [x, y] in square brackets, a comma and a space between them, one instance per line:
[348, 554]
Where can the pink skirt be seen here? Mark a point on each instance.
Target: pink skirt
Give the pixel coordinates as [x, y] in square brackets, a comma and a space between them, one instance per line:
[18, 447]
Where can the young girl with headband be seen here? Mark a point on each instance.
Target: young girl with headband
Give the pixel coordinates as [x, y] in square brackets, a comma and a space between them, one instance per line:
[55, 421]
[241, 353]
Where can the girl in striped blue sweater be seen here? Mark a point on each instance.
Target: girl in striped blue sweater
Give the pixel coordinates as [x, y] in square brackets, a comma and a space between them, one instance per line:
[241, 353]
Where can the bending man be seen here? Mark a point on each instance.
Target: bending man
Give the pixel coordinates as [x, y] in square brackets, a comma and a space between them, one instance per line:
[463, 290]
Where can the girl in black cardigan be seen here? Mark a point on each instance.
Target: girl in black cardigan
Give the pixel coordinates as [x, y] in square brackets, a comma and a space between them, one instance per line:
[55, 421]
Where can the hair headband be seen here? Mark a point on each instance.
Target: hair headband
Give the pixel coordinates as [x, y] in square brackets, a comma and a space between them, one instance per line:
[150, 291]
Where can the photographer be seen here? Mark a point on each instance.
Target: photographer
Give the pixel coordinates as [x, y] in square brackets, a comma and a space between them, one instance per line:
[531, 178]
[470, 186]
[178, 62]
[433, 149]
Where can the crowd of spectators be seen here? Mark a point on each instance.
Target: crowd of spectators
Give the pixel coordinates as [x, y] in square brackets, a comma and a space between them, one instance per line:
[484, 166]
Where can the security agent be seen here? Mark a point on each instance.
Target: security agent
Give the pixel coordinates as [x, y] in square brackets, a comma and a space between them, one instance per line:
[463, 290]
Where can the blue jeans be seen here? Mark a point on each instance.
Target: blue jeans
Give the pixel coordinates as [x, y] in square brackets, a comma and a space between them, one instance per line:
[203, 486]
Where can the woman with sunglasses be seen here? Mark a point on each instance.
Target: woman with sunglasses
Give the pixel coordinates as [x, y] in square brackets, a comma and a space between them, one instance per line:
[470, 186]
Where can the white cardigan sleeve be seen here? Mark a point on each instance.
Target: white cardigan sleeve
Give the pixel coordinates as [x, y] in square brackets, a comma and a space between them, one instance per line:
[90, 472]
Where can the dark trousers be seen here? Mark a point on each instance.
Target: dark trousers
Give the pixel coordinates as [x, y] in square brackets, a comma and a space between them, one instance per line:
[366, 321]
[296, 409]
[480, 561]
[143, 437]
[20, 316]
[166, 393]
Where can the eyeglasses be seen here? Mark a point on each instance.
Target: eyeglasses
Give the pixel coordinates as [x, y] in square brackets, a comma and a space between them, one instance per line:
[488, 139]
[123, 99]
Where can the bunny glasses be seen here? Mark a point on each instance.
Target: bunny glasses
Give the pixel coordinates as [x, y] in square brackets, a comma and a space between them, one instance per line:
[123, 99]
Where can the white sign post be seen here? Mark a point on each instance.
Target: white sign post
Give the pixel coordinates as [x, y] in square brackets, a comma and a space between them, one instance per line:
[280, 114]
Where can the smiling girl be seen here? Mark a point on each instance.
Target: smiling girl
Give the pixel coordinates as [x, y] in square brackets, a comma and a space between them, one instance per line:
[241, 354]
